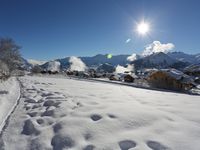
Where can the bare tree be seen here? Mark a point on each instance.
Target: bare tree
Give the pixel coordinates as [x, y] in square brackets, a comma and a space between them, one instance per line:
[4, 71]
[9, 53]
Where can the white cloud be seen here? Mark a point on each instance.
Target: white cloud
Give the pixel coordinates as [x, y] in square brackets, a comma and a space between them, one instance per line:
[77, 64]
[128, 40]
[132, 57]
[157, 47]
[122, 69]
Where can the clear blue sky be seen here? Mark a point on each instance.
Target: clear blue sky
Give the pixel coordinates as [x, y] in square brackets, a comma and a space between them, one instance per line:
[48, 29]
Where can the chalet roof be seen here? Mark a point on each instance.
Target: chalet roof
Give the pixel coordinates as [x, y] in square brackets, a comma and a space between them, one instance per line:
[178, 75]
[122, 75]
[116, 76]
[193, 68]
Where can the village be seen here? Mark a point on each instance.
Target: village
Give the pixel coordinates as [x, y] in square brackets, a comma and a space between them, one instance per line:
[186, 80]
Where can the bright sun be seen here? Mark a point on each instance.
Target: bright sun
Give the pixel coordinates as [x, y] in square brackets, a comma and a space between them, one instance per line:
[143, 28]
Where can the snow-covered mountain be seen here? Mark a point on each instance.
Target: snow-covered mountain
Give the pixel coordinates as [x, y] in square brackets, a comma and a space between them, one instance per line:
[195, 68]
[51, 66]
[158, 60]
[35, 62]
[97, 60]
[191, 58]
[106, 68]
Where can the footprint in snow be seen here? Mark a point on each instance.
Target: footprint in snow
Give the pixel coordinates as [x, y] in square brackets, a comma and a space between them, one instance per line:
[2, 145]
[53, 97]
[42, 90]
[36, 145]
[89, 147]
[49, 103]
[30, 100]
[27, 107]
[46, 94]
[88, 136]
[40, 121]
[3, 92]
[32, 114]
[57, 93]
[60, 142]
[36, 106]
[112, 116]
[95, 117]
[57, 127]
[31, 89]
[45, 121]
[48, 113]
[29, 128]
[156, 145]
[36, 83]
[126, 144]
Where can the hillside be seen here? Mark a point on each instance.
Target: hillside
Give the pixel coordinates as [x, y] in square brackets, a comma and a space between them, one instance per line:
[181, 56]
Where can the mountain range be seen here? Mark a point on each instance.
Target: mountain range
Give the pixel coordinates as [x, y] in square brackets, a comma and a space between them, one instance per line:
[157, 60]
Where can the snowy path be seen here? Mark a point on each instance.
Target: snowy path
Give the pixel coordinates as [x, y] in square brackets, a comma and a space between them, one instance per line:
[55, 114]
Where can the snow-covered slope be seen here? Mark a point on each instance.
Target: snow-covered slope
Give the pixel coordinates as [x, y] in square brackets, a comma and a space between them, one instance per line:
[9, 93]
[193, 68]
[53, 66]
[156, 60]
[106, 68]
[97, 60]
[185, 57]
[84, 115]
[35, 62]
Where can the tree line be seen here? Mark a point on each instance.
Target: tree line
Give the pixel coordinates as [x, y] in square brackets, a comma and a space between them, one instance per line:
[10, 57]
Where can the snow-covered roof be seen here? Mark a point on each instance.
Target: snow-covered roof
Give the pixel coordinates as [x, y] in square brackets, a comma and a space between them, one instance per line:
[175, 73]
[125, 74]
[193, 68]
[178, 75]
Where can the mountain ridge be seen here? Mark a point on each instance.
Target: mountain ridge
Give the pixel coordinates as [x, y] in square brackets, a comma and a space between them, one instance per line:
[157, 60]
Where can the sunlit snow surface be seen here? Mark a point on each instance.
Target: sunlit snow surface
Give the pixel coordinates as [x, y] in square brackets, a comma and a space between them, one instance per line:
[9, 94]
[84, 115]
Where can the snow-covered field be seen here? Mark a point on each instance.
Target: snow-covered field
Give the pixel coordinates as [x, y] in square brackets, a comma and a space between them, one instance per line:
[69, 114]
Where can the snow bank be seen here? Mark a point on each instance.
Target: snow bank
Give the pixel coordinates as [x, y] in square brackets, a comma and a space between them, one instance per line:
[9, 93]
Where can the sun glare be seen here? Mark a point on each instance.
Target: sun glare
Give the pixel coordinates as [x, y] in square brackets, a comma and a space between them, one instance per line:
[143, 28]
